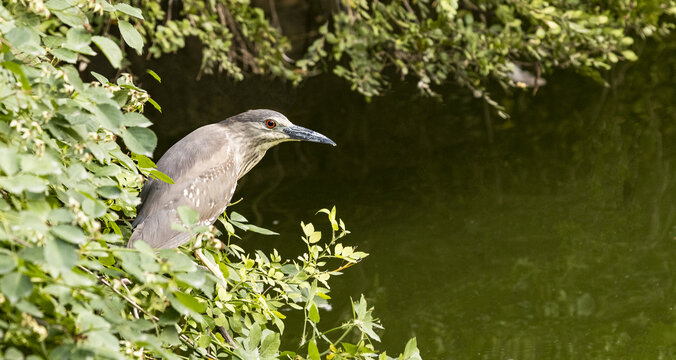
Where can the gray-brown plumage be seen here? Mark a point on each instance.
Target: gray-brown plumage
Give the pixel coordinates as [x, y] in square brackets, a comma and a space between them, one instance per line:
[205, 166]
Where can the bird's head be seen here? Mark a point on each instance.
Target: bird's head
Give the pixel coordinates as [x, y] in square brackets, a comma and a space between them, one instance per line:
[264, 129]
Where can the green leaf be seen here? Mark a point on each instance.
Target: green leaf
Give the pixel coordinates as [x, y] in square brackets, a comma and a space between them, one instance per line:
[16, 286]
[109, 192]
[315, 237]
[25, 39]
[72, 16]
[161, 176]
[23, 182]
[16, 69]
[136, 119]
[13, 353]
[109, 116]
[110, 49]
[254, 336]
[313, 314]
[154, 75]
[58, 5]
[131, 36]
[100, 78]
[143, 161]
[44, 165]
[187, 215]
[66, 55]
[312, 351]
[155, 104]
[69, 233]
[7, 261]
[78, 40]
[59, 254]
[190, 302]
[140, 140]
[9, 161]
[629, 55]
[129, 10]
[411, 351]
[270, 345]
[235, 216]
[260, 230]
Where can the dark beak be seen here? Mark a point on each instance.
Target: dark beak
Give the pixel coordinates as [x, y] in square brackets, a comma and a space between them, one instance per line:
[303, 134]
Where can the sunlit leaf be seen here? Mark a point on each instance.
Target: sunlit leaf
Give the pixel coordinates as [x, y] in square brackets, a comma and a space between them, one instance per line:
[69, 233]
[131, 36]
[313, 314]
[411, 351]
[7, 261]
[129, 10]
[64, 55]
[140, 140]
[161, 176]
[16, 69]
[190, 302]
[187, 215]
[136, 119]
[23, 182]
[110, 116]
[260, 230]
[155, 104]
[154, 75]
[312, 350]
[16, 286]
[100, 78]
[110, 50]
[59, 254]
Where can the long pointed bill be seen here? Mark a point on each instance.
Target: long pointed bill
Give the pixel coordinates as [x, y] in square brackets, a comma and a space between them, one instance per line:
[300, 133]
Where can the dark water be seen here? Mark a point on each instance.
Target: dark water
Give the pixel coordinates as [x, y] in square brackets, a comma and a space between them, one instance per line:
[548, 236]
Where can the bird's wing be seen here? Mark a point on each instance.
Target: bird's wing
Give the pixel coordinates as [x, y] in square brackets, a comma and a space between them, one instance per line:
[205, 177]
[188, 156]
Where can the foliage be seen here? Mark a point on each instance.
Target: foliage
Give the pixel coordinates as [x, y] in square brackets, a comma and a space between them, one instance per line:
[69, 289]
[430, 42]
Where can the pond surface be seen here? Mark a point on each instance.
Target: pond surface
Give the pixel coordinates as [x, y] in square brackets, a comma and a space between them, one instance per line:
[546, 236]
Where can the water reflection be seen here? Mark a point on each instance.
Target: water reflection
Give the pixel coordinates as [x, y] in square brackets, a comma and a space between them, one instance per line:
[550, 236]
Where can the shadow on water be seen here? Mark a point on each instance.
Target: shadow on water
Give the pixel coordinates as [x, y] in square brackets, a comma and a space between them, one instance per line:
[548, 236]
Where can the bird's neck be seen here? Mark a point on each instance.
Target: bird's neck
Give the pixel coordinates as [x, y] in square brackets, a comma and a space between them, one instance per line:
[248, 151]
[248, 160]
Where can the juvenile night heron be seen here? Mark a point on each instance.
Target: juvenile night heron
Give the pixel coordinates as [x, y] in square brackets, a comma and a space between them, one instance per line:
[205, 166]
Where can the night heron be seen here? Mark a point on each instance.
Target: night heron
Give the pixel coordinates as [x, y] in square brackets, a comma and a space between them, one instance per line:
[205, 166]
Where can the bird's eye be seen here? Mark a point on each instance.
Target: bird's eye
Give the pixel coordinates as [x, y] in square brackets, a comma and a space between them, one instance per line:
[270, 123]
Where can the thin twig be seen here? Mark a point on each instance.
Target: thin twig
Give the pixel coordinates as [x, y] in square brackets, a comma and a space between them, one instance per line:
[273, 15]
[124, 284]
[538, 74]
[226, 19]
[343, 267]
[410, 9]
[226, 336]
[125, 297]
[169, 6]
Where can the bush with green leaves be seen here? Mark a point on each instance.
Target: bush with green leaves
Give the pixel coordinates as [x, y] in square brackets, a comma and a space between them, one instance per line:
[432, 43]
[69, 289]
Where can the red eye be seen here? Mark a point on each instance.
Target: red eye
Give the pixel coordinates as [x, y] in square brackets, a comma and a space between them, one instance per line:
[270, 123]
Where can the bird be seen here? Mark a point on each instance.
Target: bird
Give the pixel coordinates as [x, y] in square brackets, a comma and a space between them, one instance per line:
[205, 166]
